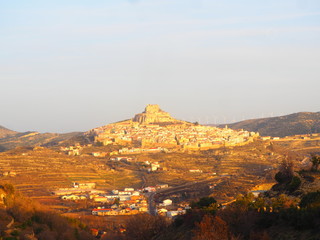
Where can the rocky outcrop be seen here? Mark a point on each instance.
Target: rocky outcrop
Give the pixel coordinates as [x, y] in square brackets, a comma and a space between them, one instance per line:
[153, 114]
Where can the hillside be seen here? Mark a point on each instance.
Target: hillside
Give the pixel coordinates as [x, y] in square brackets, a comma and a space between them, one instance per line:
[4, 132]
[297, 123]
[23, 218]
[30, 139]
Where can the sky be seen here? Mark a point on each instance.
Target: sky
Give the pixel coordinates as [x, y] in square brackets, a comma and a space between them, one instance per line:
[78, 64]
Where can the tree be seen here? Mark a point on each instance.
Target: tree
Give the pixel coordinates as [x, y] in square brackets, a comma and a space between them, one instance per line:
[203, 202]
[211, 228]
[294, 184]
[145, 226]
[208, 204]
[285, 173]
[315, 160]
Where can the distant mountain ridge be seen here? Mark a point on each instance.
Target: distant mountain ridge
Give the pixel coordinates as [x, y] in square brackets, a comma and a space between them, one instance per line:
[4, 132]
[11, 139]
[292, 124]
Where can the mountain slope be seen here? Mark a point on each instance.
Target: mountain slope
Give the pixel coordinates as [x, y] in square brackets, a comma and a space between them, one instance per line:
[4, 132]
[31, 139]
[297, 123]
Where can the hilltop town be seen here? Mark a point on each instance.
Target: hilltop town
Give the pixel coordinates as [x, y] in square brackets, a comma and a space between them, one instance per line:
[156, 128]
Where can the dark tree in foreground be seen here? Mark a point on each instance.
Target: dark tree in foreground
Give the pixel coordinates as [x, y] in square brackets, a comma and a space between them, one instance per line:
[311, 200]
[145, 226]
[211, 228]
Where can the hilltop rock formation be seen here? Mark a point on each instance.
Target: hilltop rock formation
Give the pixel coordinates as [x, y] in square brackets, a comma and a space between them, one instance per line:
[153, 114]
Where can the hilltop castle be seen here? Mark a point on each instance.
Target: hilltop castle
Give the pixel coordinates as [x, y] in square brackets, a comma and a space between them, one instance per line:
[153, 114]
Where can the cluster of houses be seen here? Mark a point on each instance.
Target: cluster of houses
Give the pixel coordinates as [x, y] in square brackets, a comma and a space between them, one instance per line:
[312, 136]
[128, 201]
[72, 150]
[141, 150]
[184, 136]
[120, 202]
[168, 209]
[138, 204]
[151, 166]
[123, 202]
[123, 159]
[154, 166]
[78, 191]
[154, 188]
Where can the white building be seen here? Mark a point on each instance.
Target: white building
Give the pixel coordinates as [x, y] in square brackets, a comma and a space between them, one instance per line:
[167, 202]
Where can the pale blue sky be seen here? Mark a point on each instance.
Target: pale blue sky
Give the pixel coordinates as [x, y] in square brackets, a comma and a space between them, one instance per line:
[75, 65]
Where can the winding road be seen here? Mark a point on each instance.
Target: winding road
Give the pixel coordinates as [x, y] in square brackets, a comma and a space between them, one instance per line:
[151, 203]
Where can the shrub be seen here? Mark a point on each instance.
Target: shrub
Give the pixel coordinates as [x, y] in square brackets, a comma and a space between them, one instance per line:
[145, 226]
[311, 200]
[285, 173]
[280, 177]
[315, 160]
[294, 184]
[203, 202]
[211, 227]
[15, 233]
[208, 204]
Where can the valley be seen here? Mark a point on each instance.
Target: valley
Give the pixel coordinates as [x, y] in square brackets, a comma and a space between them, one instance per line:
[150, 164]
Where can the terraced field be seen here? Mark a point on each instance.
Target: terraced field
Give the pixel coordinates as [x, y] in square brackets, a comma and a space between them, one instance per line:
[40, 171]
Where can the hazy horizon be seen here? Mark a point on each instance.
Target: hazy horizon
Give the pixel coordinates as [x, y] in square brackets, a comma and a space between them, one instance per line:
[76, 65]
